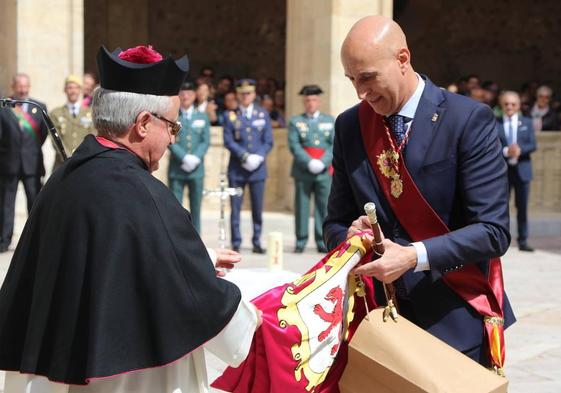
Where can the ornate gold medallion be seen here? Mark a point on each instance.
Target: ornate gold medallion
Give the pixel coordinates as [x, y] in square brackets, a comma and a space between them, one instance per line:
[396, 187]
[388, 162]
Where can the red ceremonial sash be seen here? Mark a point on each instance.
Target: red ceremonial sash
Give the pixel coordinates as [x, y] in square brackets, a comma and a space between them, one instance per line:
[317, 153]
[484, 294]
[28, 123]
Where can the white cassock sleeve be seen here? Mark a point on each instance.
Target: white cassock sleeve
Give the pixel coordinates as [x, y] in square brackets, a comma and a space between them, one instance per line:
[232, 344]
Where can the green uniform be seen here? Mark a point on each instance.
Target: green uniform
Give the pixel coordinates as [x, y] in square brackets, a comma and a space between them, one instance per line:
[310, 138]
[194, 138]
[72, 129]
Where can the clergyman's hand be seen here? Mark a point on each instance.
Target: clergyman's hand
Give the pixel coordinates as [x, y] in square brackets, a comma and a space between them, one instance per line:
[392, 265]
[225, 259]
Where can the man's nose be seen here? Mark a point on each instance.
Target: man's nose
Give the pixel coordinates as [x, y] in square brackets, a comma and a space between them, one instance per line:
[361, 92]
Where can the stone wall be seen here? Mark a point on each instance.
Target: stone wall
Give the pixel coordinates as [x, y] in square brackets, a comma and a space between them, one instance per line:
[510, 41]
[241, 37]
[545, 193]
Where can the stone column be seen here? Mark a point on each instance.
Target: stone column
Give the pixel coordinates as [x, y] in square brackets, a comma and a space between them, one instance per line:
[45, 40]
[8, 44]
[315, 30]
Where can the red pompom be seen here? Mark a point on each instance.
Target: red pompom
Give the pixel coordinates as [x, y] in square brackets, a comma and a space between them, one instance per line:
[141, 55]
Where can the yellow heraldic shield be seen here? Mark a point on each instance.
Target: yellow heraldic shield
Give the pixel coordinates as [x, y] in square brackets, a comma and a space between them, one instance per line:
[320, 305]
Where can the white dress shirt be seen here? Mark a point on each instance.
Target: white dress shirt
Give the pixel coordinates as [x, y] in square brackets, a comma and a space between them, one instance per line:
[511, 134]
[187, 113]
[73, 108]
[408, 110]
[247, 112]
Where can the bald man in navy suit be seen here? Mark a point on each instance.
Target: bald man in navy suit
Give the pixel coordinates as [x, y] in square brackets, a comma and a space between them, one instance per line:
[451, 149]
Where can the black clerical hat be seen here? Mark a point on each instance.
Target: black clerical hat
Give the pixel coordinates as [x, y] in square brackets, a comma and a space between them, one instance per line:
[310, 90]
[146, 72]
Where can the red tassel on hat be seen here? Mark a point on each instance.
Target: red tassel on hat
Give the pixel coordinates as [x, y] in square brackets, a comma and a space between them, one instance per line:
[141, 55]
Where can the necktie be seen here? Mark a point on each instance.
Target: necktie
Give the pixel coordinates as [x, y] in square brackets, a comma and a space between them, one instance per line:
[509, 131]
[397, 125]
[74, 112]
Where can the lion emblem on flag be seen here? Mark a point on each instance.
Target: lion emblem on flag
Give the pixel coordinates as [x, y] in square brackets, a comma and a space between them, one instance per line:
[320, 306]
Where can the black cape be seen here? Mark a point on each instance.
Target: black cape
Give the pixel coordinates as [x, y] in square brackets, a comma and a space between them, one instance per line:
[109, 275]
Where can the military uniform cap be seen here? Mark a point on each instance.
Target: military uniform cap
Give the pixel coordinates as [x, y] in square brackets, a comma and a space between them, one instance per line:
[310, 90]
[141, 70]
[245, 86]
[73, 79]
[188, 85]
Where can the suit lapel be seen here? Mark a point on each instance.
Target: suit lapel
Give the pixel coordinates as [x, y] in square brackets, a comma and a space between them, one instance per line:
[424, 127]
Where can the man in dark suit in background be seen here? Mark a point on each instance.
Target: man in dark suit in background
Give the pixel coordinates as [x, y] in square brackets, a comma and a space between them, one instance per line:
[428, 159]
[22, 133]
[519, 141]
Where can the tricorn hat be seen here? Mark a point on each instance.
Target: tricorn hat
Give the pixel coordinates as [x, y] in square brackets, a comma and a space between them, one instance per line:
[141, 70]
[310, 90]
[187, 85]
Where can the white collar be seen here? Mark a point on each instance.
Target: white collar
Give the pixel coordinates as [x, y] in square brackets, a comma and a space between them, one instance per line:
[188, 112]
[248, 110]
[314, 116]
[513, 119]
[410, 107]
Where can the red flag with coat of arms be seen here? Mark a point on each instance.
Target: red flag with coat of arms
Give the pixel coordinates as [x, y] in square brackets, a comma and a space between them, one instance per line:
[301, 345]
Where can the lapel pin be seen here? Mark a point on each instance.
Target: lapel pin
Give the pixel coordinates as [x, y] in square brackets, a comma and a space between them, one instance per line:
[434, 117]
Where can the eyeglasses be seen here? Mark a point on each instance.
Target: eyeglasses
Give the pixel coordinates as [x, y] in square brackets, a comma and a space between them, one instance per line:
[175, 125]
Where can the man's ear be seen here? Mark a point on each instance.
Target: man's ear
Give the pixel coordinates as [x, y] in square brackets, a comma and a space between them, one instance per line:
[404, 58]
[142, 125]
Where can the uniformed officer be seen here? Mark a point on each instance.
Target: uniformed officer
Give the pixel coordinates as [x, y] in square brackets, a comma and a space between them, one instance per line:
[310, 138]
[249, 138]
[72, 120]
[186, 164]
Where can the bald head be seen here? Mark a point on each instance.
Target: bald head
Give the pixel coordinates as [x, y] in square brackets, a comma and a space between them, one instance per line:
[20, 86]
[374, 32]
[510, 102]
[377, 60]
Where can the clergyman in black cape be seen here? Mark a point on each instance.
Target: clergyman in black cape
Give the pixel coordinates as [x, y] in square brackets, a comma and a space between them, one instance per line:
[110, 287]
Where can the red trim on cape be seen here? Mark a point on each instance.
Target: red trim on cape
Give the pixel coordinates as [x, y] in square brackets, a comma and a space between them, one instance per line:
[108, 143]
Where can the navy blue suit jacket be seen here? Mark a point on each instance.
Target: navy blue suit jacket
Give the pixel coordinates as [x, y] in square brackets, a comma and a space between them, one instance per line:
[457, 164]
[526, 139]
[20, 153]
[252, 136]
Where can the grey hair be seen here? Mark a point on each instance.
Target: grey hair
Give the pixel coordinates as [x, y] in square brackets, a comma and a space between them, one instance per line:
[505, 93]
[544, 89]
[114, 112]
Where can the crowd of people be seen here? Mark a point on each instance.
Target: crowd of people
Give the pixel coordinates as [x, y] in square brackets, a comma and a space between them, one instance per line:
[217, 101]
[537, 100]
[215, 96]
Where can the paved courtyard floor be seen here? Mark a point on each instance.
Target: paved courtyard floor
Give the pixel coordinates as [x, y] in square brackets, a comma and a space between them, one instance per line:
[531, 279]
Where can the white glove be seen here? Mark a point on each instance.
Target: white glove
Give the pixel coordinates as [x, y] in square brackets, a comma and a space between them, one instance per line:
[190, 162]
[315, 166]
[252, 162]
